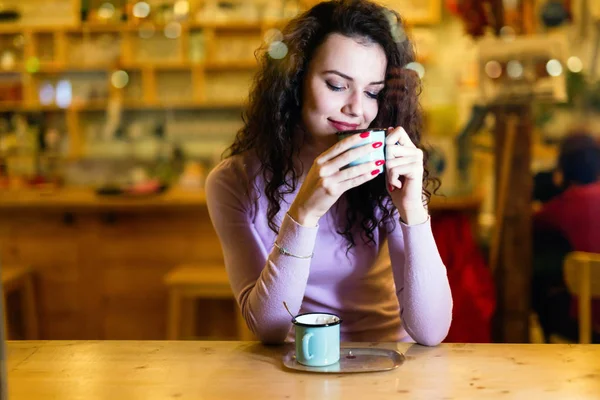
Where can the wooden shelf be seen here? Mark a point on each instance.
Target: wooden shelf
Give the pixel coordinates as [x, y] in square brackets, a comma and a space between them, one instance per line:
[12, 28]
[228, 26]
[162, 65]
[127, 104]
[183, 104]
[78, 198]
[10, 105]
[56, 67]
[131, 27]
[230, 65]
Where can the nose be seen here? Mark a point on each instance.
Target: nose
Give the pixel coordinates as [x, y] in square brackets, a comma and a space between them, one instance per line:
[353, 106]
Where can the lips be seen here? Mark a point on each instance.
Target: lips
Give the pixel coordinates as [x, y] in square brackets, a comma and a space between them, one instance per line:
[342, 126]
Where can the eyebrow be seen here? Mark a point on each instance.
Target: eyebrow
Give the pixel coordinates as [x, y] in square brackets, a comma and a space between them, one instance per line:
[332, 71]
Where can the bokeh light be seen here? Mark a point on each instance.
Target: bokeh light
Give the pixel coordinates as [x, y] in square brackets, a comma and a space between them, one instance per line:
[514, 69]
[417, 67]
[574, 64]
[64, 93]
[46, 93]
[32, 65]
[181, 8]
[8, 60]
[119, 79]
[106, 11]
[508, 33]
[493, 69]
[278, 50]
[141, 9]
[554, 67]
[173, 30]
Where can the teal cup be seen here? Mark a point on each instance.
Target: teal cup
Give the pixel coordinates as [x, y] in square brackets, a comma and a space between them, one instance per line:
[317, 339]
[375, 135]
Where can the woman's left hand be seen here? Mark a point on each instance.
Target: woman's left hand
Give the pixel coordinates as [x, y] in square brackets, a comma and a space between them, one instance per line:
[404, 176]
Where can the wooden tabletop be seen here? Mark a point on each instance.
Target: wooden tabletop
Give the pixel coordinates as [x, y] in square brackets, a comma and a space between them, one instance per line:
[248, 370]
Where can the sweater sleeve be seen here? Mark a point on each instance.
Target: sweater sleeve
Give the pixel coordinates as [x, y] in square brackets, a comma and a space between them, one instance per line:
[421, 281]
[261, 278]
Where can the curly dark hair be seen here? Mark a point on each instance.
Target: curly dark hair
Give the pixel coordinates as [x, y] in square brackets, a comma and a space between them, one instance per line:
[273, 115]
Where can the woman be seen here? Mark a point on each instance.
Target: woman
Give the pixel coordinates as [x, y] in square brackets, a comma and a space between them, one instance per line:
[297, 227]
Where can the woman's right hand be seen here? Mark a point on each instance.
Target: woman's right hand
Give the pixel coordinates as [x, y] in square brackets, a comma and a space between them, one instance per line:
[326, 182]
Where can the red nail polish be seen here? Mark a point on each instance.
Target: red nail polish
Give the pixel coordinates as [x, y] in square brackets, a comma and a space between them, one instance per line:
[377, 145]
[391, 188]
[364, 135]
[379, 162]
[375, 172]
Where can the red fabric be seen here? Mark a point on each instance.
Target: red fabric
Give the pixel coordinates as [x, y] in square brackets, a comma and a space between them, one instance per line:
[473, 290]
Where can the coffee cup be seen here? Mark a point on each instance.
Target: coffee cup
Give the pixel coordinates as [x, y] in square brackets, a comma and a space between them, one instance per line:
[317, 339]
[374, 135]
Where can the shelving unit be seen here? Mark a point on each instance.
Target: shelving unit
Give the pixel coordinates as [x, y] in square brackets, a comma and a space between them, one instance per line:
[136, 50]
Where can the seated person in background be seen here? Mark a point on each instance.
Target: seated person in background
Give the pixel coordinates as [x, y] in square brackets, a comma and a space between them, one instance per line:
[294, 224]
[545, 186]
[570, 221]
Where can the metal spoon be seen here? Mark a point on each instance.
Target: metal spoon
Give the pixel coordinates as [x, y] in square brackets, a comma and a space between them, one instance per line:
[289, 312]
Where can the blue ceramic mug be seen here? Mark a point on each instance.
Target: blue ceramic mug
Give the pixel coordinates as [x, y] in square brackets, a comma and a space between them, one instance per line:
[317, 339]
[375, 135]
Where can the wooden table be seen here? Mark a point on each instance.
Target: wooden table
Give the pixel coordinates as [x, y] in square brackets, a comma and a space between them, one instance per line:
[248, 370]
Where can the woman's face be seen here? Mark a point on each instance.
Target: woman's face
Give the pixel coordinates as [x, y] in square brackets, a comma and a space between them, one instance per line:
[341, 86]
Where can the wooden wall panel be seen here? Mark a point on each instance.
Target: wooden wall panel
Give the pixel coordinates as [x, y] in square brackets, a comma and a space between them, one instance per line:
[100, 275]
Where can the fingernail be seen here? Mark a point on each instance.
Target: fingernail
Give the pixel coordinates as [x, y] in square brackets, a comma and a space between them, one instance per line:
[375, 172]
[377, 145]
[391, 188]
[364, 135]
[379, 162]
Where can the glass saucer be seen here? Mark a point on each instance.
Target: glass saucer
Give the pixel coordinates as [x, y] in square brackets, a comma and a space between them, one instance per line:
[352, 360]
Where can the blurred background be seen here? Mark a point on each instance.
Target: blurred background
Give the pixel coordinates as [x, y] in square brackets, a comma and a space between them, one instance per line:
[112, 112]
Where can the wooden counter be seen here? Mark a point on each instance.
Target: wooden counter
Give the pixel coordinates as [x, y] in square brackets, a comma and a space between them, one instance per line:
[82, 198]
[100, 260]
[248, 370]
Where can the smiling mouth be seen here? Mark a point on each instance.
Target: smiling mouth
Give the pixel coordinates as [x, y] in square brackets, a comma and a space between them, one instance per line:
[342, 126]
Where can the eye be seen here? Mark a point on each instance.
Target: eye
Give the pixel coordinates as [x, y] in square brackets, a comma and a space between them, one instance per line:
[372, 95]
[334, 87]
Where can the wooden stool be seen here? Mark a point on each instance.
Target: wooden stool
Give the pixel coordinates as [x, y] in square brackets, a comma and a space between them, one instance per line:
[199, 282]
[21, 278]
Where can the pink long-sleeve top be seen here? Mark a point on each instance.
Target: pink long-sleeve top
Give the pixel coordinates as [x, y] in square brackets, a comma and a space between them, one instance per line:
[395, 290]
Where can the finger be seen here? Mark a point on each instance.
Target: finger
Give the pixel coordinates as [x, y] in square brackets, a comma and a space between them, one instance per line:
[396, 175]
[341, 146]
[400, 136]
[334, 165]
[373, 168]
[397, 162]
[357, 181]
[396, 151]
